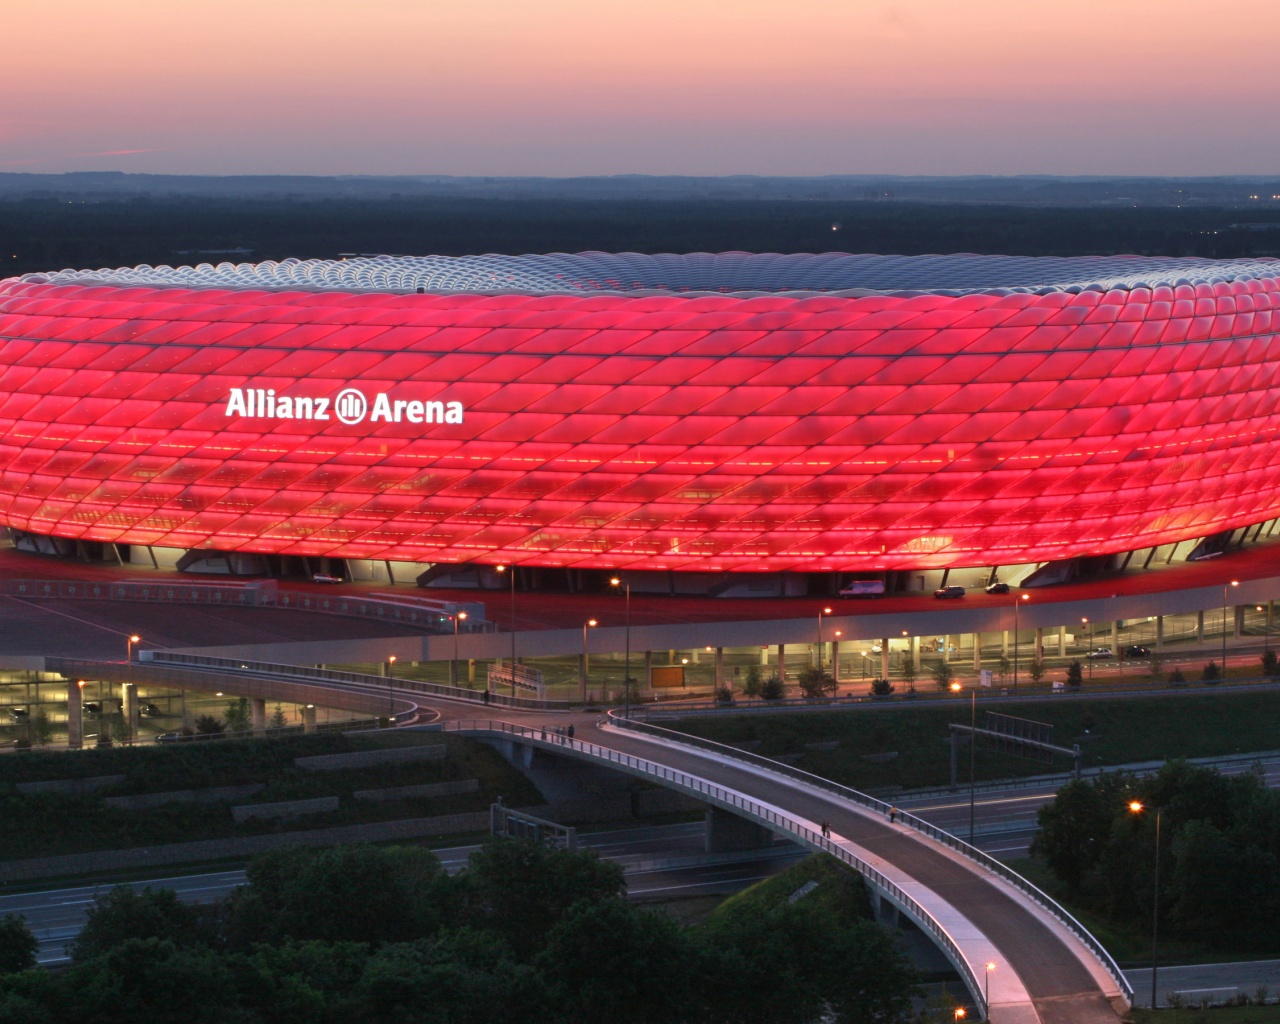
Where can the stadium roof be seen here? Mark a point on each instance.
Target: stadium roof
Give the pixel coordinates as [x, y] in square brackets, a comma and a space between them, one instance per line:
[733, 273]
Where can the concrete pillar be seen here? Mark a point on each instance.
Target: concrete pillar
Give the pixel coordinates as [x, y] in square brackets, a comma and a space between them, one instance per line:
[129, 710]
[471, 671]
[1039, 648]
[1004, 643]
[720, 676]
[835, 660]
[309, 718]
[782, 662]
[75, 716]
[258, 715]
[915, 653]
[1200, 626]
[1159, 632]
[946, 647]
[977, 652]
[693, 657]
[647, 681]
[1115, 638]
[764, 657]
[727, 833]
[1238, 619]
[671, 657]
[1062, 641]
[884, 658]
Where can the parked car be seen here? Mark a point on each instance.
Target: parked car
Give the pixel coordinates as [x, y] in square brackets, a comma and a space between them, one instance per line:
[952, 591]
[19, 714]
[149, 711]
[1135, 651]
[998, 588]
[324, 577]
[92, 707]
[1101, 652]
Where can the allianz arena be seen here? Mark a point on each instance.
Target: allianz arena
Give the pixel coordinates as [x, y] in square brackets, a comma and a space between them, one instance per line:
[709, 413]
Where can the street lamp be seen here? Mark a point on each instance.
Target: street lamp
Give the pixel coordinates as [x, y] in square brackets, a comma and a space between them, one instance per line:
[1266, 627]
[959, 1013]
[510, 570]
[973, 743]
[626, 681]
[391, 687]
[133, 639]
[1234, 583]
[585, 665]
[1016, 604]
[835, 657]
[865, 656]
[986, 987]
[822, 612]
[457, 620]
[1084, 623]
[1136, 807]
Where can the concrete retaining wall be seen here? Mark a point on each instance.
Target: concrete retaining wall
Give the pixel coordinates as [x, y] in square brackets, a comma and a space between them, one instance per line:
[426, 789]
[213, 795]
[285, 808]
[370, 758]
[76, 786]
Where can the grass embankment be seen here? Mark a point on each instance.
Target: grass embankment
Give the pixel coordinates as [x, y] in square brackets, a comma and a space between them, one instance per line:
[49, 824]
[1269, 1014]
[1110, 731]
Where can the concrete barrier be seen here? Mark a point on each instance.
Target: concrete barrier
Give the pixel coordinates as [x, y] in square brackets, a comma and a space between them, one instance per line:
[285, 808]
[370, 758]
[213, 795]
[426, 789]
[74, 786]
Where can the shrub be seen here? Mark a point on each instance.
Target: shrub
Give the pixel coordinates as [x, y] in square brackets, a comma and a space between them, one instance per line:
[881, 687]
[773, 688]
[724, 695]
[909, 671]
[1075, 675]
[943, 674]
[1176, 678]
[751, 687]
[1036, 669]
[208, 725]
[1270, 664]
[816, 683]
[1211, 673]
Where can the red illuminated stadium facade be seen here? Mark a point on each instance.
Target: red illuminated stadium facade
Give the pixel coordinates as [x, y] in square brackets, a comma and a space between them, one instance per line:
[726, 413]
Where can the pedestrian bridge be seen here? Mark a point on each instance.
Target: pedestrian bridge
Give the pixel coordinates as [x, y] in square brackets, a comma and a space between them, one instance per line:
[1023, 958]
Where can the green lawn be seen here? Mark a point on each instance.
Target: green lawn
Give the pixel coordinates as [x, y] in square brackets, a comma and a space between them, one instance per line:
[1197, 723]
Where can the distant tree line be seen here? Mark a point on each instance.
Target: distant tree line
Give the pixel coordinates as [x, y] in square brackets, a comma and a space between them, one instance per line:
[385, 936]
[52, 233]
[1219, 849]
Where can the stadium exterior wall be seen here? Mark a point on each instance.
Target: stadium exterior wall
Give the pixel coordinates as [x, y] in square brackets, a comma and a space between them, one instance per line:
[649, 432]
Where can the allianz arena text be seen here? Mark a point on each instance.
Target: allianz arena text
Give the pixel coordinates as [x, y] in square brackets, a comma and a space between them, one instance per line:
[729, 413]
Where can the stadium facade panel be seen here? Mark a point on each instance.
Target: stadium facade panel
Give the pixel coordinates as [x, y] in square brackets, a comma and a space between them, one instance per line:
[705, 412]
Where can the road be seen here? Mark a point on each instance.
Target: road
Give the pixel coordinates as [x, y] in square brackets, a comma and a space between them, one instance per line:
[660, 862]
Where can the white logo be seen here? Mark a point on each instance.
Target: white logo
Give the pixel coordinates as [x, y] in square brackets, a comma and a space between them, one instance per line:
[351, 407]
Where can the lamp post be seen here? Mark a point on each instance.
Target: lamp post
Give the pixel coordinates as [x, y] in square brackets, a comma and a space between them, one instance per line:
[1084, 624]
[133, 639]
[835, 657]
[822, 612]
[1234, 583]
[1266, 627]
[864, 665]
[510, 570]
[626, 681]
[973, 743]
[585, 664]
[986, 987]
[391, 686]
[1021, 598]
[1137, 807]
[457, 621]
[959, 1013]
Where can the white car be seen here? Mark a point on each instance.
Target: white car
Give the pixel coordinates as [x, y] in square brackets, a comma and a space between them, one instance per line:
[324, 577]
[1101, 652]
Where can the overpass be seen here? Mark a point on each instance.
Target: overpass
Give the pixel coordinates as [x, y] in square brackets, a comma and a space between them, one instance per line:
[1048, 968]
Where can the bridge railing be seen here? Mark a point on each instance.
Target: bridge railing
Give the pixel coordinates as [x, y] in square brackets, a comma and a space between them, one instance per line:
[981, 858]
[264, 668]
[749, 808]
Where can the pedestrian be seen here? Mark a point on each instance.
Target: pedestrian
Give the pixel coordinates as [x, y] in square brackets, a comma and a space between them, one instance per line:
[893, 815]
[571, 730]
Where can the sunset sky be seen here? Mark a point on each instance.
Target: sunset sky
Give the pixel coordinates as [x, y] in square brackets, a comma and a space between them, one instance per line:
[570, 87]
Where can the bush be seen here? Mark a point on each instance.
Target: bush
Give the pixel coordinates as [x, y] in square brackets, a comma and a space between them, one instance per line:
[724, 695]
[773, 688]
[1075, 675]
[1036, 669]
[1155, 666]
[1270, 664]
[909, 671]
[1176, 678]
[208, 725]
[943, 674]
[1211, 673]
[18, 946]
[751, 687]
[881, 687]
[815, 683]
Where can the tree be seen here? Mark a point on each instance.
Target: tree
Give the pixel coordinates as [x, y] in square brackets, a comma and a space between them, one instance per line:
[773, 688]
[18, 946]
[1036, 669]
[909, 671]
[208, 725]
[1176, 678]
[751, 687]
[123, 913]
[1075, 675]
[816, 683]
[943, 673]
[1212, 673]
[881, 687]
[1270, 663]
[1075, 827]
[1003, 668]
[238, 716]
[1155, 665]
[279, 719]
[41, 729]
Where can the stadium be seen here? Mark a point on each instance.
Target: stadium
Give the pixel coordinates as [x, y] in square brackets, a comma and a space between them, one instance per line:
[711, 415]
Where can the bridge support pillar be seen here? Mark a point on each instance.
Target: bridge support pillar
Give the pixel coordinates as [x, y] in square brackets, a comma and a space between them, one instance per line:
[915, 653]
[884, 658]
[258, 715]
[977, 652]
[946, 648]
[1200, 626]
[75, 716]
[1159, 632]
[1039, 650]
[835, 660]
[1004, 643]
[885, 912]
[726, 833]
[129, 711]
[1115, 638]
[782, 662]
[1062, 641]
[720, 680]
[1238, 619]
[309, 718]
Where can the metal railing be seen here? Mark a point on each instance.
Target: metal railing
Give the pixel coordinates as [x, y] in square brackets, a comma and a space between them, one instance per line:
[872, 803]
[262, 668]
[733, 800]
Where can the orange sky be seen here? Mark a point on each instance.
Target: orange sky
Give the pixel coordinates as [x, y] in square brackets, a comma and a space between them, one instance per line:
[564, 87]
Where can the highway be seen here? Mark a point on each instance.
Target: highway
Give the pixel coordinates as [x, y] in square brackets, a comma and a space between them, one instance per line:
[660, 862]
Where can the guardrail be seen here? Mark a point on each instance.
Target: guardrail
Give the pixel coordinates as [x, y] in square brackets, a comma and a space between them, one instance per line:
[872, 803]
[263, 668]
[749, 808]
